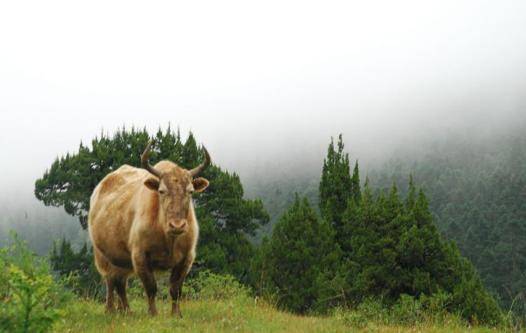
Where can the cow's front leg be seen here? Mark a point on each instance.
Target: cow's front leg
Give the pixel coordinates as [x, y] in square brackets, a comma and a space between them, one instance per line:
[110, 286]
[145, 273]
[176, 284]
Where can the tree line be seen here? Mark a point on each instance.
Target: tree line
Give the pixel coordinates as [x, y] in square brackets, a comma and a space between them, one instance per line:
[364, 244]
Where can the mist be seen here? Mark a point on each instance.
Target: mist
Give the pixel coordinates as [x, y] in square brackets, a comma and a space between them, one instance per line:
[264, 87]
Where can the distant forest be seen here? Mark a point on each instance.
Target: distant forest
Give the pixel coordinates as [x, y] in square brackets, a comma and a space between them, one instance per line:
[477, 194]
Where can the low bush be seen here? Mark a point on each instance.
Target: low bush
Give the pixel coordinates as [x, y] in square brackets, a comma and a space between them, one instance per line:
[210, 286]
[77, 268]
[31, 298]
[407, 311]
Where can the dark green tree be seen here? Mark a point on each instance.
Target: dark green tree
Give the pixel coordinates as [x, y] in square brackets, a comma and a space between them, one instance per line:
[396, 250]
[355, 183]
[300, 261]
[336, 186]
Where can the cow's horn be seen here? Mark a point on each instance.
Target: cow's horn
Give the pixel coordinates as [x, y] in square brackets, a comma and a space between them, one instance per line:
[198, 169]
[146, 164]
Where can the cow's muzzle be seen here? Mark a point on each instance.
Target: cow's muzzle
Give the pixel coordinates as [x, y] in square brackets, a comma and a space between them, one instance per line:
[177, 228]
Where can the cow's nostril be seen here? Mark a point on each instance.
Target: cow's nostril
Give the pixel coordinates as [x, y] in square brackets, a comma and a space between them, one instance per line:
[178, 227]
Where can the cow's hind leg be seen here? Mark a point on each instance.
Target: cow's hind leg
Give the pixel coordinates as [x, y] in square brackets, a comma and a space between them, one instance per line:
[120, 286]
[104, 268]
[115, 279]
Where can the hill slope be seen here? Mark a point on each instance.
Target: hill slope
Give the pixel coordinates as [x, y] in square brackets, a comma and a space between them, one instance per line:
[229, 316]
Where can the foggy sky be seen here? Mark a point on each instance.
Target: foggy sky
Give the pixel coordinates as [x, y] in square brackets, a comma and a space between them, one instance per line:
[262, 85]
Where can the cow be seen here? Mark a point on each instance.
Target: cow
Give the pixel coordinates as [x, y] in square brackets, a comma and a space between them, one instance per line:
[142, 220]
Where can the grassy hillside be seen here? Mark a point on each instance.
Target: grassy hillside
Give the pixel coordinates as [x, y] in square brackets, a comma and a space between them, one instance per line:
[32, 300]
[234, 315]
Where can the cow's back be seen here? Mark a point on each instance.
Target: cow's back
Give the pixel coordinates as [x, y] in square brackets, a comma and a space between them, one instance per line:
[113, 206]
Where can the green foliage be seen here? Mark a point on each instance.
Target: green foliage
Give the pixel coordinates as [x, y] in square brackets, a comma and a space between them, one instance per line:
[78, 268]
[225, 217]
[336, 185]
[476, 192]
[254, 315]
[387, 249]
[407, 311]
[31, 299]
[207, 285]
[299, 261]
[396, 250]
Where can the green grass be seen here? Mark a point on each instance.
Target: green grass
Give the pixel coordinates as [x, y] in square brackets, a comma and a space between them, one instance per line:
[234, 315]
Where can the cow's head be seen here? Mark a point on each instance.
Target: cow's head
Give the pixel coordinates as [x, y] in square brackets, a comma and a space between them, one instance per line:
[175, 186]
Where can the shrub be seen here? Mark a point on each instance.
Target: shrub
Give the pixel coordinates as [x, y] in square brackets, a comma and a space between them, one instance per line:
[78, 268]
[408, 310]
[351, 318]
[31, 298]
[210, 286]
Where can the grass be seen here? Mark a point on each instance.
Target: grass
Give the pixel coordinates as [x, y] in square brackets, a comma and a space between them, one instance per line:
[238, 314]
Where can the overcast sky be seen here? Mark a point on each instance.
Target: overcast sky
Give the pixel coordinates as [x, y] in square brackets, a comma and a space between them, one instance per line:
[247, 77]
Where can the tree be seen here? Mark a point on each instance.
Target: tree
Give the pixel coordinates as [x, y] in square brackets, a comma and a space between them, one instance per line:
[300, 260]
[396, 250]
[225, 217]
[337, 186]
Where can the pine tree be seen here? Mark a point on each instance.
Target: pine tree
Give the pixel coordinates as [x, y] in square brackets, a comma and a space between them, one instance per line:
[300, 260]
[395, 249]
[336, 186]
[355, 183]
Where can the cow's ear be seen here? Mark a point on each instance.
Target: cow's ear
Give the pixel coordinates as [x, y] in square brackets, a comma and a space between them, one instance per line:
[152, 184]
[200, 184]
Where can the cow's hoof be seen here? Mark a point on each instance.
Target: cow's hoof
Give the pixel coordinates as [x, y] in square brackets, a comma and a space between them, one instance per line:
[126, 311]
[177, 314]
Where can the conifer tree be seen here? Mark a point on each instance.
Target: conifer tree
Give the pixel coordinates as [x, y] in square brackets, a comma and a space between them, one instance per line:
[355, 183]
[300, 260]
[337, 186]
[395, 249]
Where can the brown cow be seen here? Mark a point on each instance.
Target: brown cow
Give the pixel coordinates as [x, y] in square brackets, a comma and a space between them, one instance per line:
[143, 220]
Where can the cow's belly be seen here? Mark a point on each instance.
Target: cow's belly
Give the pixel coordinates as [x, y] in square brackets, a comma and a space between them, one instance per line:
[162, 265]
[112, 245]
[162, 260]
[117, 254]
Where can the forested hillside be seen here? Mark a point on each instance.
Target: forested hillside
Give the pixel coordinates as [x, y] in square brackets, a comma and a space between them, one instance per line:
[476, 187]
[477, 193]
